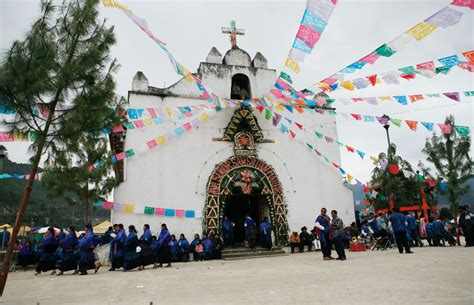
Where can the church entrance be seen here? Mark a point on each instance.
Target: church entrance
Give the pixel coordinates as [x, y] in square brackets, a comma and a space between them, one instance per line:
[238, 206]
[245, 183]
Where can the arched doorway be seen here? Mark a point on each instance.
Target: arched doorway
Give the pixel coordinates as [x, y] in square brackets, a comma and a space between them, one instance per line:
[245, 185]
[240, 89]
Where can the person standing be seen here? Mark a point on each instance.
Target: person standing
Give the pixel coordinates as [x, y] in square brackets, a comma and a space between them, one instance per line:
[86, 248]
[184, 248]
[48, 258]
[163, 244]
[465, 223]
[68, 256]
[4, 238]
[400, 230]
[131, 257]
[228, 231]
[266, 233]
[414, 230]
[194, 243]
[117, 247]
[338, 235]
[322, 224]
[146, 253]
[249, 225]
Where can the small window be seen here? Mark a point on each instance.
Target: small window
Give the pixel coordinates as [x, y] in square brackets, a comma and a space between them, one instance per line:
[240, 89]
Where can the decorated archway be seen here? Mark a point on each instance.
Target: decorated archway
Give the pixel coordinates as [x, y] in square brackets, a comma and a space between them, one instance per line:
[245, 175]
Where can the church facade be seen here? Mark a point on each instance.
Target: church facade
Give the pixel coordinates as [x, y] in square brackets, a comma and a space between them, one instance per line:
[234, 164]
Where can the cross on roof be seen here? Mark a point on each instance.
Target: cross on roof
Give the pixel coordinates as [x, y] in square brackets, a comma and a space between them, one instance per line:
[233, 31]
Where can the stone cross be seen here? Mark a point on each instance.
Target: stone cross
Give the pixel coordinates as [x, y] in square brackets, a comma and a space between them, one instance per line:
[233, 31]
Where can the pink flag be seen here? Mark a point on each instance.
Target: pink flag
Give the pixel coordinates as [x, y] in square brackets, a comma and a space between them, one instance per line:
[120, 156]
[370, 59]
[468, 3]
[117, 128]
[139, 124]
[308, 35]
[108, 205]
[179, 213]
[445, 128]
[6, 137]
[356, 116]
[152, 143]
[152, 112]
[159, 211]
[187, 126]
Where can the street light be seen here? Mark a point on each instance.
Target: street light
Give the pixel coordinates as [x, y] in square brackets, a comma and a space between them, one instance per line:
[3, 154]
[386, 125]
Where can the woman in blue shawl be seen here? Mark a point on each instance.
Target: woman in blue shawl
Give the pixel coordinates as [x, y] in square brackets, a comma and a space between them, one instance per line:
[67, 245]
[117, 247]
[27, 255]
[86, 248]
[194, 243]
[131, 259]
[146, 254]
[175, 251]
[48, 258]
[164, 253]
[184, 248]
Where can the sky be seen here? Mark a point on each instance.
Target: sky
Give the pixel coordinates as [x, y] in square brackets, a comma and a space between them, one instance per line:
[357, 27]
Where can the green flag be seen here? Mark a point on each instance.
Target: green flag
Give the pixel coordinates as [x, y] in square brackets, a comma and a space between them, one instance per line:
[463, 131]
[286, 77]
[469, 93]
[384, 50]
[408, 70]
[443, 70]
[396, 122]
[129, 153]
[319, 135]
[309, 146]
[268, 114]
[149, 211]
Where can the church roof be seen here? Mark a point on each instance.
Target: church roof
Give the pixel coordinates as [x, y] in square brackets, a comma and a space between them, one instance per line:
[237, 57]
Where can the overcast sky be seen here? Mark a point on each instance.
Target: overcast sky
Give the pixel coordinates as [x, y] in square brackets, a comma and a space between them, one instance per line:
[356, 28]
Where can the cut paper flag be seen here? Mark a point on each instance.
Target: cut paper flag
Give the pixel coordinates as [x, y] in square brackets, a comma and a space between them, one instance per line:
[411, 124]
[445, 128]
[463, 131]
[393, 168]
[169, 212]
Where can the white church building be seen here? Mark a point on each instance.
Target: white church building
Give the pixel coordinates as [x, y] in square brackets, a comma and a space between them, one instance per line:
[235, 163]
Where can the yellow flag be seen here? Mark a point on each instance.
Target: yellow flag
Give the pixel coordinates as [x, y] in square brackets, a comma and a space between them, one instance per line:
[148, 122]
[203, 117]
[169, 111]
[161, 140]
[375, 159]
[421, 30]
[385, 98]
[280, 107]
[292, 65]
[128, 208]
[348, 85]
[349, 178]
[114, 3]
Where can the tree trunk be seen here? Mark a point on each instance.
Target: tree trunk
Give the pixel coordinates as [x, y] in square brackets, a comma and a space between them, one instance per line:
[87, 213]
[19, 220]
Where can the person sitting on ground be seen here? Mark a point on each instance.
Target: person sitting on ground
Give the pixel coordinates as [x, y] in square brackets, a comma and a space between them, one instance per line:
[305, 240]
[354, 230]
[26, 256]
[175, 251]
[199, 250]
[194, 243]
[366, 232]
[207, 243]
[294, 241]
[183, 248]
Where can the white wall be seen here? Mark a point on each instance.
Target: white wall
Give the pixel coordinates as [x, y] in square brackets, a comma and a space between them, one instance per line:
[174, 175]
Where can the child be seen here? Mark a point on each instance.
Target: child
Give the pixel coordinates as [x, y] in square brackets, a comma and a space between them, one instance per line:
[200, 251]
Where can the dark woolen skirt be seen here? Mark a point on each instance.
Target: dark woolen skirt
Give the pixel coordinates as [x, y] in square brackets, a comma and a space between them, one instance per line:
[147, 257]
[131, 260]
[86, 265]
[26, 259]
[47, 262]
[66, 265]
[164, 255]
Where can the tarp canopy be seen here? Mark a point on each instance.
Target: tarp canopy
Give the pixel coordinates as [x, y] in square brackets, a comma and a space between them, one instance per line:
[102, 227]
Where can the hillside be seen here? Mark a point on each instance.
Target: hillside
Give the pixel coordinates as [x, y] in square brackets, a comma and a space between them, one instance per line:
[41, 210]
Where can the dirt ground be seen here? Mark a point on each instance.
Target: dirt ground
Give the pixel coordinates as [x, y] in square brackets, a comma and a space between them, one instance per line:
[429, 276]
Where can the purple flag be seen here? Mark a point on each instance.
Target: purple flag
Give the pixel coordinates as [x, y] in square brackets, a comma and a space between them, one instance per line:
[453, 95]
[445, 17]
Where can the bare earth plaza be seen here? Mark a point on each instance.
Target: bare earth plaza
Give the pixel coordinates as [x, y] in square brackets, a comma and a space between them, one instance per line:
[236, 152]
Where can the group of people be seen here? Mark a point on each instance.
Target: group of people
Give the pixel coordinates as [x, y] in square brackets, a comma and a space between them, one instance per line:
[252, 232]
[61, 252]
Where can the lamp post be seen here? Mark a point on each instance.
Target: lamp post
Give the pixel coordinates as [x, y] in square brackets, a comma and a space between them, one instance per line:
[3, 154]
[386, 125]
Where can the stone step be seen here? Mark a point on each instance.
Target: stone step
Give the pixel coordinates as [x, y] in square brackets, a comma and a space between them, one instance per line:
[246, 250]
[251, 254]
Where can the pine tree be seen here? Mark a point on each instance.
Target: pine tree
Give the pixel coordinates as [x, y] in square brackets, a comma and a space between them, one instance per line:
[449, 154]
[59, 81]
[81, 174]
[400, 189]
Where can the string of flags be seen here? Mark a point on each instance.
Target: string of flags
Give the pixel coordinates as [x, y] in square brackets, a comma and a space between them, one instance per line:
[312, 25]
[179, 68]
[444, 18]
[426, 69]
[147, 210]
[20, 177]
[401, 99]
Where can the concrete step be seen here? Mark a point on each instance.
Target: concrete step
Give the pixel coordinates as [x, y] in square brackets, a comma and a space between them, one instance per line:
[256, 254]
[246, 250]
[251, 254]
